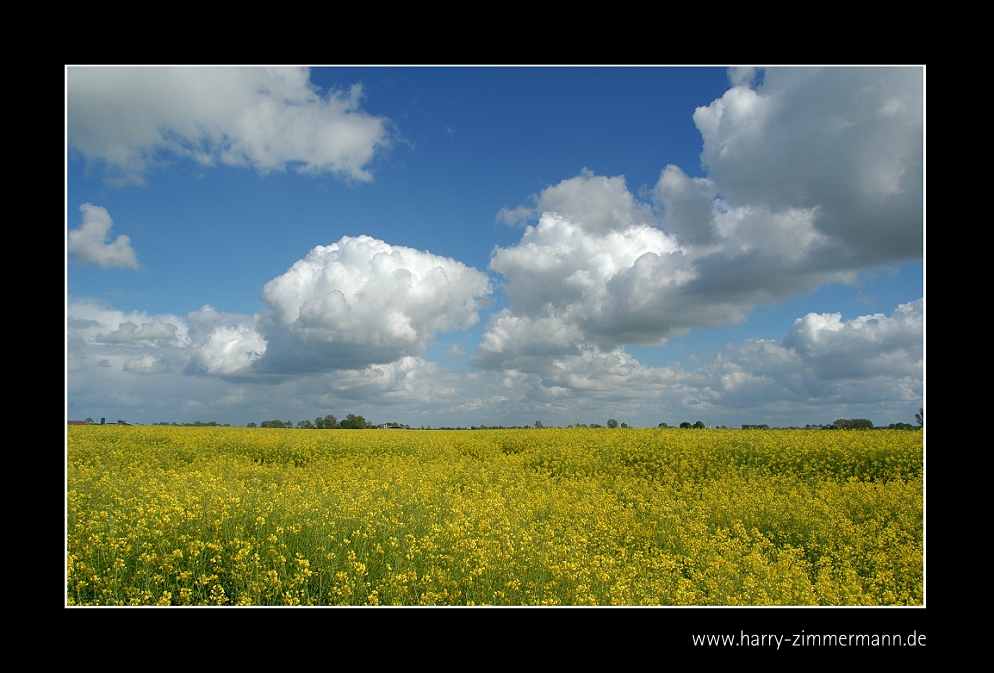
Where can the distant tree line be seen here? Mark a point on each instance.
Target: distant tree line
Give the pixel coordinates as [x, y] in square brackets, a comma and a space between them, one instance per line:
[195, 424]
[329, 422]
[355, 422]
[866, 424]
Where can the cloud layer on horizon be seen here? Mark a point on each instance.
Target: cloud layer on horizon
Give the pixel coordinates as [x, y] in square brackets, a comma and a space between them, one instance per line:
[823, 364]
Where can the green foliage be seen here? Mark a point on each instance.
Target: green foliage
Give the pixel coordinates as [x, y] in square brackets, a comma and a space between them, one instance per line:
[853, 424]
[353, 422]
[329, 422]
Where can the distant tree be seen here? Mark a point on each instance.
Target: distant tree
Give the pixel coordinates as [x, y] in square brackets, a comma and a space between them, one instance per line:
[662, 425]
[853, 424]
[305, 425]
[353, 422]
[919, 418]
[624, 425]
[685, 425]
[538, 424]
[252, 425]
[611, 423]
[699, 425]
[89, 421]
[596, 425]
[329, 422]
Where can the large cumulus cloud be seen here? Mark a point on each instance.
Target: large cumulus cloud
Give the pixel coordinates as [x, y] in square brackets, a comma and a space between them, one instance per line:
[265, 118]
[811, 177]
[348, 305]
[345, 306]
[846, 144]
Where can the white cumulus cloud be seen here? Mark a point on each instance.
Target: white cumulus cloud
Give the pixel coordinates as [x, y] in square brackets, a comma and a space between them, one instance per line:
[845, 143]
[228, 351]
[870, 345]
[267, 118]
[562, 268]
[351, 304]
[88, 244]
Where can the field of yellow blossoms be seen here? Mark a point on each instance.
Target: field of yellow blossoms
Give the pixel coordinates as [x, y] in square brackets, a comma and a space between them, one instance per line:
[236, 516]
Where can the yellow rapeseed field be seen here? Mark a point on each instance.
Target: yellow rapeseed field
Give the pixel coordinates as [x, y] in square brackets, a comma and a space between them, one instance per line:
[237, 516]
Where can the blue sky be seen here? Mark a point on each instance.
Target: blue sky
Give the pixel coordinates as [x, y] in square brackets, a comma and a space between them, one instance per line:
[466, 246]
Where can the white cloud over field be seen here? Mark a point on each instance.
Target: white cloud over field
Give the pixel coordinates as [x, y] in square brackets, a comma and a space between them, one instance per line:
[129, 119]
